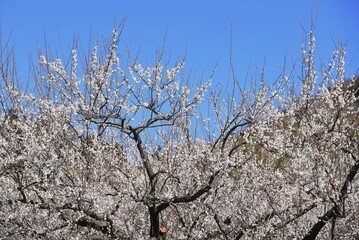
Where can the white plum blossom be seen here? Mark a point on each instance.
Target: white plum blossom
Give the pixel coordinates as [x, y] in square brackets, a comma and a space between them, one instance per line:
[116, 151]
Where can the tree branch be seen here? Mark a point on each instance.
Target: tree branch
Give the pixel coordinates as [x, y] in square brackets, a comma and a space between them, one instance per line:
[335, 210]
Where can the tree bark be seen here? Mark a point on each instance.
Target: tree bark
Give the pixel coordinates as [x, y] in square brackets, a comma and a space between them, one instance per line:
[154, 222]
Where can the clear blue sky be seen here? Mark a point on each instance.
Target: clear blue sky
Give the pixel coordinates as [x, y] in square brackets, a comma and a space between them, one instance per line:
[201, 29]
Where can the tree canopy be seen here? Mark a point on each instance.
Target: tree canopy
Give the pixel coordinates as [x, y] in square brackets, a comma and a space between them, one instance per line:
[110, 151]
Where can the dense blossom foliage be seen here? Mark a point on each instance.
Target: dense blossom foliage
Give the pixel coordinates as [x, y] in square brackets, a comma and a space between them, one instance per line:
[110, 152]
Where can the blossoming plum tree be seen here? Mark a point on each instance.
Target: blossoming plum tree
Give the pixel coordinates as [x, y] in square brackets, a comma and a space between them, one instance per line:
[110, 152]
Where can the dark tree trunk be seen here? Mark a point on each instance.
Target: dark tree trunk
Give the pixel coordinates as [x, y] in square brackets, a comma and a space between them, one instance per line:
[154, 222]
